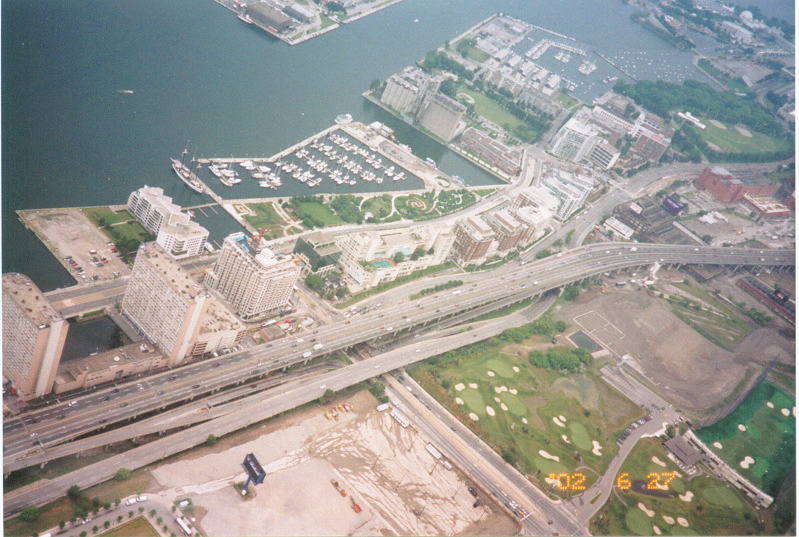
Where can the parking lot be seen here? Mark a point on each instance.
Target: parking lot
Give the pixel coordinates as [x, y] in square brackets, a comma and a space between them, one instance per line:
[76, 243]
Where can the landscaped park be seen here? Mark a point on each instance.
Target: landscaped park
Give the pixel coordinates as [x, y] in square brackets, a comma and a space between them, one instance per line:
[544, 420]
[699, 505]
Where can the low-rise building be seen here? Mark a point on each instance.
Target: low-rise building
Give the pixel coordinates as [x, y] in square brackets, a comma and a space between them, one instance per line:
[766, 207]
[108, 366]
[726, 187]
[570, 188]
[507, 158]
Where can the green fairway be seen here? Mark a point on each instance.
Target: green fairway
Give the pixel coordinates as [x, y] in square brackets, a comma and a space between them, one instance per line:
[265, 218]
[315, 214]
[532, 397]
[768, 437]
[730, 140]
[707, 505]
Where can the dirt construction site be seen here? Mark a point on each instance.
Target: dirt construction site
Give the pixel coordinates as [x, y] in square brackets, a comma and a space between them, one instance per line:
[641, 330]
[318, 469]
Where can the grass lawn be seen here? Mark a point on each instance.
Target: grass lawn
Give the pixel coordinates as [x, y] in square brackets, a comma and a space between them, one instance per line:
[318, 213]
[95, 214]
[138, 527]
[715, 508]
[490, 110]
[524, 400]
[473, 53]
[379, 206]
[265, 218]
[732, 141]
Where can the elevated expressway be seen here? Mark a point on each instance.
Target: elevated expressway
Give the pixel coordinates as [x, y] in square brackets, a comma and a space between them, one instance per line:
[514, 282]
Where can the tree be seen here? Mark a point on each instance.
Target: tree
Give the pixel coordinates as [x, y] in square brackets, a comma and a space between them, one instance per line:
[74, 492]
[153, 512]
[141, 509]
[122, 474]
[95, 528]
[315, 282]
[417, 253]
[107, 524]
[62, 524]
[571, 292]
[83, 533]
[398, 257]
[117, 502]
[130, 514]
[211, 440]
[119, 519]
[30, 514]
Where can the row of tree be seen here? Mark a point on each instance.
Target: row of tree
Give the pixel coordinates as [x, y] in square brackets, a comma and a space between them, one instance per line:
[562, 359]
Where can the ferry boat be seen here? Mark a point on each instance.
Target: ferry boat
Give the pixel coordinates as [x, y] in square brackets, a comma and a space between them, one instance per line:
[430, 162]
[343, 119]
[186, 175]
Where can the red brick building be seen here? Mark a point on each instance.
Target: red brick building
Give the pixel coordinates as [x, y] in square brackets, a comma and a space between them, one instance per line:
[726, 187]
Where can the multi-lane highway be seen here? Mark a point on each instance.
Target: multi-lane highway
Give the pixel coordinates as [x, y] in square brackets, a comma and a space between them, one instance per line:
[513, 282]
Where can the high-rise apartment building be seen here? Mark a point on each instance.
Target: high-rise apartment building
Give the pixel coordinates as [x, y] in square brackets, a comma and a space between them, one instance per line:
[173, 311]
[473, 240]
[33, 337]
[253, 279]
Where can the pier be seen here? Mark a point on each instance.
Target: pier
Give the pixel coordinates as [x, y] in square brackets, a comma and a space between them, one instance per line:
[625, 73]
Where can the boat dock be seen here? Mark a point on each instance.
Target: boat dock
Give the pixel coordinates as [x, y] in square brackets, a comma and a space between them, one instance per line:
[631, 77]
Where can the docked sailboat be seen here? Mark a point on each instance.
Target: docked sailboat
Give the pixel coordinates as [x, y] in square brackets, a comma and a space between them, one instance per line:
[185, 174]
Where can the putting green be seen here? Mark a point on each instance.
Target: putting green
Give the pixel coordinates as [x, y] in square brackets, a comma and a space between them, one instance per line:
[579, 435]
[500, 367]
[677, 485]
[637, 522]
[474, 401]
[722, 496]
[579, 387]
[515, 405]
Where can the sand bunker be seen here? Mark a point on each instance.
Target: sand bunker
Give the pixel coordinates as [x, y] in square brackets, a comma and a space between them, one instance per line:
[718, 124]
[741, 427]
[658, 461]
[743, 131]
[473, 385]
[515, 369]
[667, 519]
[746, 462]
[500, 389]
[458, 401]
[513, 391]
[785, 412]
[460, 387]
[565, 438]
[713, 146]
[503, 406]
[643, 508]
[717, 445]
[490, 373]
[496, 399]
[558, 422]
[548, 456]
[561, 418]
[769, 404]
[490, 411]
[473, 416]
[550, 481]
[524, 420]
[597, 448]
[682, 522]
[687, 496]
[656, 530]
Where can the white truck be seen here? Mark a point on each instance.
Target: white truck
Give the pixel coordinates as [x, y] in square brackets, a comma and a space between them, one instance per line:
[317, 346]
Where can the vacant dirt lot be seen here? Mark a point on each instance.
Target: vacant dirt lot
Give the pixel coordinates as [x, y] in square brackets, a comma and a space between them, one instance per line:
[382, 466]
[681, 365]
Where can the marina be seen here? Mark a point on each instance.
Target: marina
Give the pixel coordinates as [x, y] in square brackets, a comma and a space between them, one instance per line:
[345, 154]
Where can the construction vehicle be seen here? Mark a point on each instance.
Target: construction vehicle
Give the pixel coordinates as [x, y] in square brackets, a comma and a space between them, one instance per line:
[337, 487]
[328, 415]
[355, 506]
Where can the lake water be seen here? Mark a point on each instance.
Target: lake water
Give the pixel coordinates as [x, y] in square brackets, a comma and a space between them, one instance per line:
[72, 137]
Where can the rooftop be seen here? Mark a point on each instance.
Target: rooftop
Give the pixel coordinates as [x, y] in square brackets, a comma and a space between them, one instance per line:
[30, 299]
[170, 269]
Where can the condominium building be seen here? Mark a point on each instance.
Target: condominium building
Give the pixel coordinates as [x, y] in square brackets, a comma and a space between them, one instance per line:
[509, 231]
[369, 258]
[507, 158]
[574, 140]
[473, 240]
[33, 337]
[254, 280]
[570, 188]
[173, 311]
[174, 230]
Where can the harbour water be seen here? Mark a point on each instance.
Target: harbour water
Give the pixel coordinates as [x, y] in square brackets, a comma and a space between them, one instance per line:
[98, 96]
